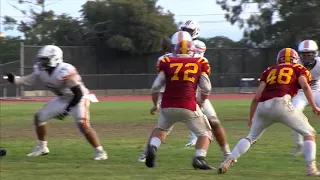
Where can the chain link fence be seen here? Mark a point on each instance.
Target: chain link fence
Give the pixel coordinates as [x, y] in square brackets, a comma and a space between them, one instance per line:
[100, 70]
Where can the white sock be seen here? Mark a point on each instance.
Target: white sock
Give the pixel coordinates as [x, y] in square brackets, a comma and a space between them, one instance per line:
[241, 148]
[99, 148]
[200, 152]
[309, 150]
[225, 149]
[155, 142]
[42, 143]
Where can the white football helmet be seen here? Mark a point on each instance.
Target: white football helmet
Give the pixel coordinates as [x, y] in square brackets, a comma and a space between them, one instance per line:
[308, 50]
[308, 46]
[50, 56]
[181, 43]
[191, 27]
[200, 47]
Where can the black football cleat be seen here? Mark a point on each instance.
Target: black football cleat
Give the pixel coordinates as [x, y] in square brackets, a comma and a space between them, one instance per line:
[3, 152]
[201, 163]
[151, 156]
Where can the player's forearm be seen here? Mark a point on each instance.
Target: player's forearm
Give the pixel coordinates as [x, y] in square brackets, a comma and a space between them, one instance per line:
[205, 86]
[26, 80]
[76, 98]
[307, 90]
[308, 93]
[155, 97]
[158, 83]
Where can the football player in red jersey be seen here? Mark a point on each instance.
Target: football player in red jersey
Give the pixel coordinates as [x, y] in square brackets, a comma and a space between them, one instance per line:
[272, 104]
[181, 73]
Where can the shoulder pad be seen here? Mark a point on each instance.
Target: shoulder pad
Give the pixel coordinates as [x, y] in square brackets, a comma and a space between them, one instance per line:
[161, 57]
[65, 70]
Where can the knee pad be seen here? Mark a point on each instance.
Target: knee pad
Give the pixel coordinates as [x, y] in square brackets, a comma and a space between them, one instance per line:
[84, 126]
[37, 121]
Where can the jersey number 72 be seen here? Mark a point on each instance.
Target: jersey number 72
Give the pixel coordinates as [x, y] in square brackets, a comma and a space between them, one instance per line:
[190, 68]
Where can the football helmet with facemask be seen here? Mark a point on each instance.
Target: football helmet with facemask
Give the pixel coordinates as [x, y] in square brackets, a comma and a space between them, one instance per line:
[308, 50]
[49, 56]
[191, 27]
[287, 55]
[181, 42]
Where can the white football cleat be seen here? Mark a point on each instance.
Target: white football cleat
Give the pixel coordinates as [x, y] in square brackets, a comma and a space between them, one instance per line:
[142, 157]
[100, 155]
[312, 169]
[39, 150]
[223, 168]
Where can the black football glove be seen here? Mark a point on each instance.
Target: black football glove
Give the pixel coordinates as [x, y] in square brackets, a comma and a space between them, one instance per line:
[62, 114]
[11, 77]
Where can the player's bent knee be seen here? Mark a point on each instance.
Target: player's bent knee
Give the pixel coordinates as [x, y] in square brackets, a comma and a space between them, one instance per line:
[214, 122]
[38, 120]
[205, 133]
[310, 133]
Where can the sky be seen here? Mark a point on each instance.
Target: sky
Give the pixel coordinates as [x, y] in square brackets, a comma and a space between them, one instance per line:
[209, 15]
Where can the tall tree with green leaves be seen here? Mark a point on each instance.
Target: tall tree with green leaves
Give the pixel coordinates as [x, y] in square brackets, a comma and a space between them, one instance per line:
[278, 23]
[44, 26]
[134, 27]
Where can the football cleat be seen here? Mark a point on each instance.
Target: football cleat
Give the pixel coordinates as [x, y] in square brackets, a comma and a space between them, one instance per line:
[100, 155]
[225, 165]
[151, 156]
[201, 163]
[39, 150]
[142, 157]
[312, 169]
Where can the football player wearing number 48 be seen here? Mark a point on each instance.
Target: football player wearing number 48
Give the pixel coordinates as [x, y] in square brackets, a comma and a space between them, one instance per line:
[72, 98]
[272, 104]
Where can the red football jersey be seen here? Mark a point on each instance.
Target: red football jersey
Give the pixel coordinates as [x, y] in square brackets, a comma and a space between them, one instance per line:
[282, 79]
[182, 76]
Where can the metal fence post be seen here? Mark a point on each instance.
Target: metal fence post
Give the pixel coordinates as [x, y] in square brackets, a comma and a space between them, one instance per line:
[4, 92]
[21, 67]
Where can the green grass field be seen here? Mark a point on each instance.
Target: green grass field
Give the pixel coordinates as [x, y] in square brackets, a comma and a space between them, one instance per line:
[123, 128]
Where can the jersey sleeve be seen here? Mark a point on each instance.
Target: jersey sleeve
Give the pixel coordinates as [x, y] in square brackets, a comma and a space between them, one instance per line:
[66, 72]
[264, 75]
[304, 72]
[205, 66]
[29, 79]
[162, 64]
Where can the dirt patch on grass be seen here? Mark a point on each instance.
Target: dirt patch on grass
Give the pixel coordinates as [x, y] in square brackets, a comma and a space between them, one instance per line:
[118, 129]
[124, 98]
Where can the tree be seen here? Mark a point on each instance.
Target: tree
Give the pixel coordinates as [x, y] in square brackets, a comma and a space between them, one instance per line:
[10, 49]
[222, 42]
[298, 20]
[45, 27]
[135, 27]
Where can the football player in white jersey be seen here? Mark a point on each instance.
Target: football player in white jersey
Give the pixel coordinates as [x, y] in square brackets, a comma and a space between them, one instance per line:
[72, 98]
[193, 28]
[308, 50]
